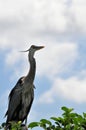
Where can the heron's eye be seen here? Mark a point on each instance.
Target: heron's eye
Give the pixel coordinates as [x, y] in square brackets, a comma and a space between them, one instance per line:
[33, 46]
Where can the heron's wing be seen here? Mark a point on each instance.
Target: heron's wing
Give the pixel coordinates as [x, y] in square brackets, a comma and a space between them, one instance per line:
[31, 98]
[14, 100]
[27, 101]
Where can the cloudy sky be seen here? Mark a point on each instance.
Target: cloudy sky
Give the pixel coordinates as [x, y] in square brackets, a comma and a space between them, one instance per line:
[59, 25]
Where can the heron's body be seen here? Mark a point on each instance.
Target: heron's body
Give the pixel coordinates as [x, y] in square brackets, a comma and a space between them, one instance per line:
[22, 95]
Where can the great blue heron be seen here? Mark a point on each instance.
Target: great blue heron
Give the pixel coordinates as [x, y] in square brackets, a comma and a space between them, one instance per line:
[22, 95]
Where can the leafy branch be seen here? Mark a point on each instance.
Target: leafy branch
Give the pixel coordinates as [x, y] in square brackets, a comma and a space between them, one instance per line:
[68, 121]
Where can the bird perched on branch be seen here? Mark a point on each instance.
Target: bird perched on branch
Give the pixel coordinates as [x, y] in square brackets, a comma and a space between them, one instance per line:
[22, 95]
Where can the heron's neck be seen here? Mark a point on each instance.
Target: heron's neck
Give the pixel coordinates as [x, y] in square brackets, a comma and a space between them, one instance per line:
[31, 74]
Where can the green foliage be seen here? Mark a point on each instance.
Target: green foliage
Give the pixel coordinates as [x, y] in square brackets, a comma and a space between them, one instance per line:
[68, 121]
[14, 126]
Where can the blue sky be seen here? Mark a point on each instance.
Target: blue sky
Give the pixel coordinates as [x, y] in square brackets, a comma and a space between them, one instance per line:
[60, 26]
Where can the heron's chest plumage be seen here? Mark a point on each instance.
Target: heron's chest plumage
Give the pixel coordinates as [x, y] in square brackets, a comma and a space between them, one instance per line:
[27, 93]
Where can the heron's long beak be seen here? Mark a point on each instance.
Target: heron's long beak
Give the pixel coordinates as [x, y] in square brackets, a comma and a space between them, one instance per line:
[39, 47]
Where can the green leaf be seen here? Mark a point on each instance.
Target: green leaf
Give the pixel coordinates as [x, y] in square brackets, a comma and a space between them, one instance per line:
[67, 109]
[59, 119]
[54, 118]
[84, 114]
[45, 121]
[33, 124]
[3, 124]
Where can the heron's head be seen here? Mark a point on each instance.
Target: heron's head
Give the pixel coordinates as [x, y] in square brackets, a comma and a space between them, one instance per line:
[34, 48]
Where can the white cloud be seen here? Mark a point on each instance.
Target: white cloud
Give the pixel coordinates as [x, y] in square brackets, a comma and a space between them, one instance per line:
[57, 58]
[47, 97]
[22, 21]
[12, 57]
[11, 8]
[36, 14]
[77, 15]
[73, 89]
[30, 21]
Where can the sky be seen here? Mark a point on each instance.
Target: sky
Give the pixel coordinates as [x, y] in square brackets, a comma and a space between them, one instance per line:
[60, 26]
